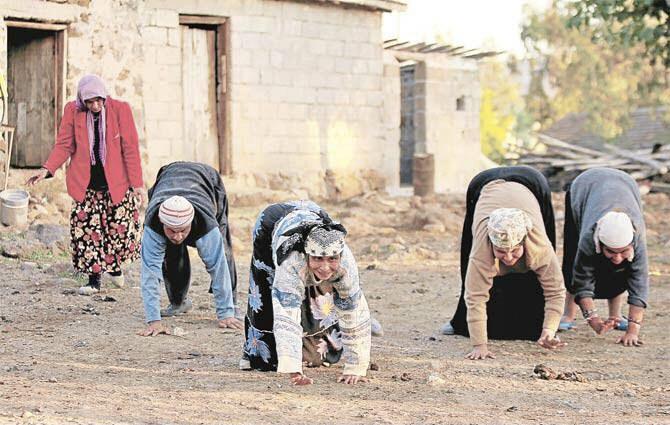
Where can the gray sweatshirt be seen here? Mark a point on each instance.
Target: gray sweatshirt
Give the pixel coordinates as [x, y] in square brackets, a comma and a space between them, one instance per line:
[594, 193]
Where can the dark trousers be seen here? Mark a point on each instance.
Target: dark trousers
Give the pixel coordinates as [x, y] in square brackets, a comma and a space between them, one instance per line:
[177, 269]
[515, 308]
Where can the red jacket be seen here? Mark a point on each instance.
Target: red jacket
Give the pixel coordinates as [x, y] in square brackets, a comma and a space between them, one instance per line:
[123, 166]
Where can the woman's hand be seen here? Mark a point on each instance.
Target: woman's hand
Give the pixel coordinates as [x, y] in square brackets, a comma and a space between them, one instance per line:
[480, 352]
[141, 196]
[549, 340]
[351, 379]
[298, 378]
[154, 328]
[631, 337]
[37, 177]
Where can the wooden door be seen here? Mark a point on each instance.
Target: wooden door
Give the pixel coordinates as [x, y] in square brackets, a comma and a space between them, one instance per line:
[201, 135]
[32, 87]
[407, 125]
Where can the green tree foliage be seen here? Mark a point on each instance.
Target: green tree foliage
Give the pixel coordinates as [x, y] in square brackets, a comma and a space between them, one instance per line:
[627, 22]
[577, 69]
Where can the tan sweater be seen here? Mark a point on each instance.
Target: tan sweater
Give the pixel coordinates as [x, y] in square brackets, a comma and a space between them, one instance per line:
[539, 256]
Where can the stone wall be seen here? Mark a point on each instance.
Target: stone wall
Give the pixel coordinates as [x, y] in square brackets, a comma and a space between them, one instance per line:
[452, 135]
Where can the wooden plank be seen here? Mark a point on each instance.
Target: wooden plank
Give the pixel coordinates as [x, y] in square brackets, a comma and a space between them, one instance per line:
[36, 25]
[659, 167]
[223, 48]
[201, 20]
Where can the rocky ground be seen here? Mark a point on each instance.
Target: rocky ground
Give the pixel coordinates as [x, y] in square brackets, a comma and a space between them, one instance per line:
[68, 359]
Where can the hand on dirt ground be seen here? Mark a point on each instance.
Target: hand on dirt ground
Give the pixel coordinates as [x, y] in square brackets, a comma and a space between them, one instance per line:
[231, 323]
[480, 352]
[549, 340]
[600, 326]
[37, 177]
[140, 194]
[351, 379]
[154, 328]
[631, 337]
[300, 379]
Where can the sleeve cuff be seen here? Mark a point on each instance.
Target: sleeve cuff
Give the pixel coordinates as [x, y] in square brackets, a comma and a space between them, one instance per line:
[359, 370]
[478, 333]
[287, 364]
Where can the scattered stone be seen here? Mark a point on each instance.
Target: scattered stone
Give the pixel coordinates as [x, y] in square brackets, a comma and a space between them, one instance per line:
[69, 291]
[104, 298]
[49, 234]
[80, 344]
[177, 331]
[66, 281]
[432, 338]
[434, 228]
[371, 266]
[419, 291]
[10, 251]
[404, 377]
[629, 393]
[28, 266]
[435, 380]
[547, 373]
[512, 409]
[27, 415]
[374, 366]
[52, 380]
[89, 309]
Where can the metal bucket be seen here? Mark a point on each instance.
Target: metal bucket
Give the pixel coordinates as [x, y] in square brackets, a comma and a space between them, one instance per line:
[14, 204]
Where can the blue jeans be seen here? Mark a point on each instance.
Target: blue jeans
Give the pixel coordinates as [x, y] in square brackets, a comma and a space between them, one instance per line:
[164, 261]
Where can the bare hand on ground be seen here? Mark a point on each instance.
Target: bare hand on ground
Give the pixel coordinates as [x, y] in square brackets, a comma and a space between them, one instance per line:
[154, 328]
[37, 177]
[300, 379]
[231, 323]
[351, 379]
[600, 326]
[141, 196]
[630, 339]
[480, 352]
[549, 340]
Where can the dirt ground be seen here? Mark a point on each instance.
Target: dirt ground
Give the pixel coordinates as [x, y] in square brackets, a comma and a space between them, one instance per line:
[69, 359]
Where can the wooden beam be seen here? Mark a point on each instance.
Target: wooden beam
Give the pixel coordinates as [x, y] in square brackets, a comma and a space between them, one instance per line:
[36, 25]
[201, 20]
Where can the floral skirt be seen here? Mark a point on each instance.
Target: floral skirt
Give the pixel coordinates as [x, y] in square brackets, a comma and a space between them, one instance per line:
[104, 235]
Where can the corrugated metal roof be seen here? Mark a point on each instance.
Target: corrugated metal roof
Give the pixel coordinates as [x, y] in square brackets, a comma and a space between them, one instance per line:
[429, 48]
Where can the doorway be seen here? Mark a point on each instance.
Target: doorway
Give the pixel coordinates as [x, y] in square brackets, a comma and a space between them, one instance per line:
[204, 84]
[35, 78]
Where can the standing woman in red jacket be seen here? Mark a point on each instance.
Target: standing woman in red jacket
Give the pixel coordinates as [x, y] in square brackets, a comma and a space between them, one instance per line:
[104, 177]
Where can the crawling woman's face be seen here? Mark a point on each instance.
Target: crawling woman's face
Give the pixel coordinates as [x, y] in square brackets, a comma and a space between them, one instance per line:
[323, 267]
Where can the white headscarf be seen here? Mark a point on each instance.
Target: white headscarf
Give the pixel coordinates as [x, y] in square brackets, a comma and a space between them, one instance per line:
[614, 230]
[176, 212]
[508, 226]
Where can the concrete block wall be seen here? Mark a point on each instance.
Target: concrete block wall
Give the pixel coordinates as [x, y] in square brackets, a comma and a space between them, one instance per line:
[305, 86]
[451, 135]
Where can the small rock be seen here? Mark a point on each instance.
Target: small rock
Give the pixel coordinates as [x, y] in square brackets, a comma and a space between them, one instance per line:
[371, 266]
[69, 291]
[177, 331]
[28, 266]
[66, 281]
[512, 409]
[435, 380]
[374, 366]
[52, 380]
[419, 290]
[10, 252]
[434, 228]
[27, 414]
[629, 393]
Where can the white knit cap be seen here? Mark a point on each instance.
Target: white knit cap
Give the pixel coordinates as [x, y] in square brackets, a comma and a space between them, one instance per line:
[615, 230]
[508, 226]
[322, 243]
[176, 211]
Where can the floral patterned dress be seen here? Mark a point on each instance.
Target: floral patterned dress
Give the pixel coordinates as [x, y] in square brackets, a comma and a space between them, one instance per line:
[292, 319]
[104, 235]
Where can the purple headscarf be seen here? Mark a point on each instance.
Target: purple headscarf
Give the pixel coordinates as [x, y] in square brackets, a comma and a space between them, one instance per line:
[91, 86]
